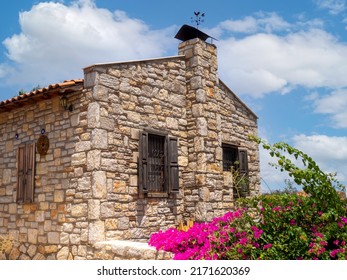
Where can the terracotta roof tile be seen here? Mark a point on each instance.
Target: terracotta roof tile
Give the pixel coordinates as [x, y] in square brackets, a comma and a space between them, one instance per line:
[37, 92]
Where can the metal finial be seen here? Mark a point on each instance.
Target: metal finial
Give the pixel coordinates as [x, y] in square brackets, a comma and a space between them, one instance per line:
[199, 18]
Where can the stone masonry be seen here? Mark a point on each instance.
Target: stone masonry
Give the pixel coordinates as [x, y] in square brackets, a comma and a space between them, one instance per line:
[87, 186]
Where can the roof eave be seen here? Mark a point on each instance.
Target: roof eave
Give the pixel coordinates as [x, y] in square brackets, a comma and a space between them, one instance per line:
[41, 94]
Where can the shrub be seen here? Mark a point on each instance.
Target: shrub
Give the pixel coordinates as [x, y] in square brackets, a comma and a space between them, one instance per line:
[275, 227]
[282, 226]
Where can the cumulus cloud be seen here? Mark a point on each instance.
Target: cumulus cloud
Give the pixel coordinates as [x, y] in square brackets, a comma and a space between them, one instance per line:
[262, 63]
[334, 6]
[271, 55]
[57, 40]
[330, 152]
[333, 104]
[259, 22]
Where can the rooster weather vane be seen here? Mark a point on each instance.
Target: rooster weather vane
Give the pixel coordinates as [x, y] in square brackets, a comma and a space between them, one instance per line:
[198, 19]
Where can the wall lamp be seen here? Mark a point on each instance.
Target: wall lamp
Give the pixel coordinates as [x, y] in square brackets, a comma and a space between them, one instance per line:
[64, 103]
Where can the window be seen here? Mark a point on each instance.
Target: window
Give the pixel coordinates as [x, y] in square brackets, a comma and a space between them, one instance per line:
[236, 160]
[26, 173]
[230, 157]
[158, 164]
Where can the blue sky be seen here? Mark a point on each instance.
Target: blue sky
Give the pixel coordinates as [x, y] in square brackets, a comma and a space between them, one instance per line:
[286, 59]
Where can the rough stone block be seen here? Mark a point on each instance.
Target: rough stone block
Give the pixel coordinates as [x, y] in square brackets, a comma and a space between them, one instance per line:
[32, 236]
[96, 232]
[83, 146]
[201, 126]
[99, 139]
[74, 120]
[32, 251]
[111, 224]
[12, 208]
[93, 209]
[119, 187]
[79, 210]
[93, 160]
[53, 237]
[84, 183]
[78, 159]
[63, 254]
[39, 216]
[100, 93]
[99, 187]
[59, 195]
[6, 176]
[133, 180]
[107, 209]
[93, 115]
[172, 123]
[123, 223]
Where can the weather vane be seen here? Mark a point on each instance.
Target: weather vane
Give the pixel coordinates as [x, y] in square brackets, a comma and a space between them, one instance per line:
[199, 18]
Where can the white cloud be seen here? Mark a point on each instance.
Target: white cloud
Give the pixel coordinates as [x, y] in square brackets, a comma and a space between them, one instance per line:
[262, 63]
[335, 105]
[334, 6]
[260, 22]
[57, 40]
[330, 152]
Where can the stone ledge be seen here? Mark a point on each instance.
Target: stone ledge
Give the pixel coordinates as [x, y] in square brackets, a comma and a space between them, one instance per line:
[127, 250]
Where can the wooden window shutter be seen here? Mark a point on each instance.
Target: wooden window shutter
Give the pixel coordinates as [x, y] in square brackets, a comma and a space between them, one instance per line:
[173, 165]
[30, 172]
[20, 173]
[243, 161]
[26, 156]
[143, 163]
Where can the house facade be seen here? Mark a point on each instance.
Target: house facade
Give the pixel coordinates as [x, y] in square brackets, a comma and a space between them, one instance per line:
[132, 148]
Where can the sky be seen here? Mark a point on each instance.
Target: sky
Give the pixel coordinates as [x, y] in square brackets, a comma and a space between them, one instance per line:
[287, 60]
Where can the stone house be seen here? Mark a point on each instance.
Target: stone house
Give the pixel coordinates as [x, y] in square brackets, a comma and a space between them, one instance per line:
[132, 148]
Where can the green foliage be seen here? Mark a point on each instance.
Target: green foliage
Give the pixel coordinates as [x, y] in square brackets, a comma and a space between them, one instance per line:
[319, 185]
[240, 182]
[297, 229]
[21, 92]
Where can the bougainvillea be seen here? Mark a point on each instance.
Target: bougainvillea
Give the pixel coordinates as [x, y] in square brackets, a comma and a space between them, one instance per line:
[285, 226]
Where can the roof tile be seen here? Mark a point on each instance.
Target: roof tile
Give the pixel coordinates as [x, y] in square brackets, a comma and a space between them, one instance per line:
[27, 96]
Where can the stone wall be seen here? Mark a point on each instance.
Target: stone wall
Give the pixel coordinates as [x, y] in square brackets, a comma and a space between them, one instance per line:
[126, 99]
[127, 250]
[37, 228]
[237, 123]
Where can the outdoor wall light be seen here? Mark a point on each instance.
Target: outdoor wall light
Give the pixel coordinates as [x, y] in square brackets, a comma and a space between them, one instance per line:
[64, 103]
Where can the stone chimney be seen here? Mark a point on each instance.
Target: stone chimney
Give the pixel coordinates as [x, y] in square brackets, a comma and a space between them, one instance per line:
[204, 126]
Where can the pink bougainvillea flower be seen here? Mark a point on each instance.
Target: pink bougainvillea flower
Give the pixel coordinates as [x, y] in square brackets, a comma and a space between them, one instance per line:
[243, 241]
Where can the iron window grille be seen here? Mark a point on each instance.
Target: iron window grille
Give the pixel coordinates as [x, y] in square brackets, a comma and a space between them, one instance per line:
[158, 164]
[235, 160]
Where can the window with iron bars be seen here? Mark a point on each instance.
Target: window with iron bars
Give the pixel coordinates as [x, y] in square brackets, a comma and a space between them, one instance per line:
[235, 160]
[158, 164]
